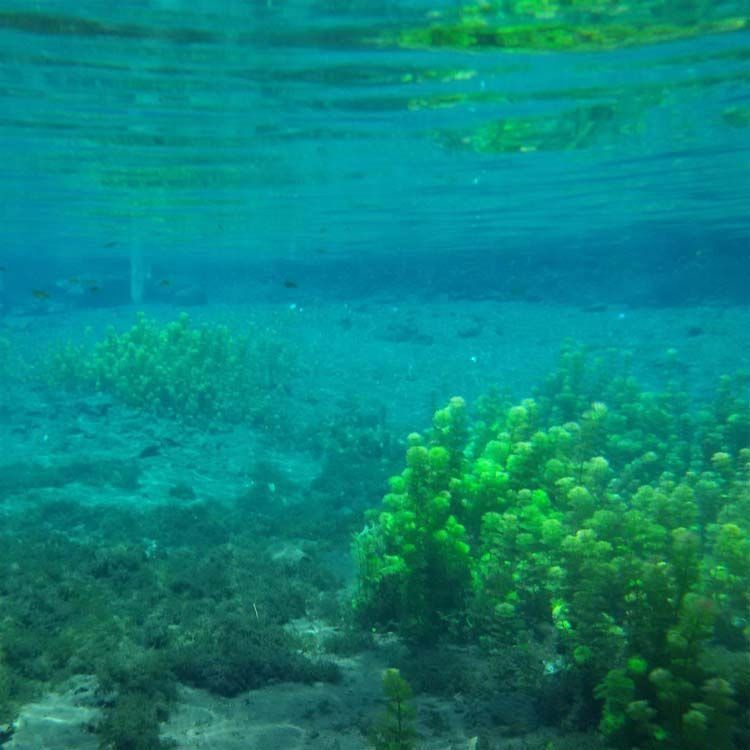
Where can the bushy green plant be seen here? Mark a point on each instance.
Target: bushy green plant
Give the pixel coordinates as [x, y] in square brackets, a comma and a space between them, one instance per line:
[178, 369]
[395, 729]
[617, 516]
[417, 567]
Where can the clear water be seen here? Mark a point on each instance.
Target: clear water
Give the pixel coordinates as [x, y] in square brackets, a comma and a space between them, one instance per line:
[397, 203]
[246, 130]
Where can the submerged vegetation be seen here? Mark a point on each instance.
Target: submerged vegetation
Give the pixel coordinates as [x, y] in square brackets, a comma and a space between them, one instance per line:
[612, 517]
[580, 558]
[395, 730]
[178, 369]
[194, 603]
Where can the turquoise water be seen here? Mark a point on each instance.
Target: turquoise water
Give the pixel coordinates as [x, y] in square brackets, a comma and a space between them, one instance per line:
[249, 248]
[236, 131]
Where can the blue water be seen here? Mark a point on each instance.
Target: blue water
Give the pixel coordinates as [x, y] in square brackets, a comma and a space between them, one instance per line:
[242, 134]
[363, 226]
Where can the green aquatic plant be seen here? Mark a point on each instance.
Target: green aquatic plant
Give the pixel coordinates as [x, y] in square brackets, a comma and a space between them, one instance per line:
[212, 614]
[178, 369]
[395, 729]
[423, 569]
[616, 516]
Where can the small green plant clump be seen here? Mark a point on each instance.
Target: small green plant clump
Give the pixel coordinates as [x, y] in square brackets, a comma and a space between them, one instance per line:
[615, 517]
[395, 729]
[178, 369]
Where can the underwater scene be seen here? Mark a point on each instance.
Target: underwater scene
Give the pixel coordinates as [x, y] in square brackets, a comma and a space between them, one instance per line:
[375, 375]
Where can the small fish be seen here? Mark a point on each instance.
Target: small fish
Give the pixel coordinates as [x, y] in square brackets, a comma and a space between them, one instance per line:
[164, 283]
[3, 269]
[40, 294]
[290, 284]
[111, 243]
[94, 289]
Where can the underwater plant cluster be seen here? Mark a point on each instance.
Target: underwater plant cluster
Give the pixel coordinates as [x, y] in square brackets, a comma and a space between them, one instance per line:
[178, 369]
[606, 520]
[590, 546]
